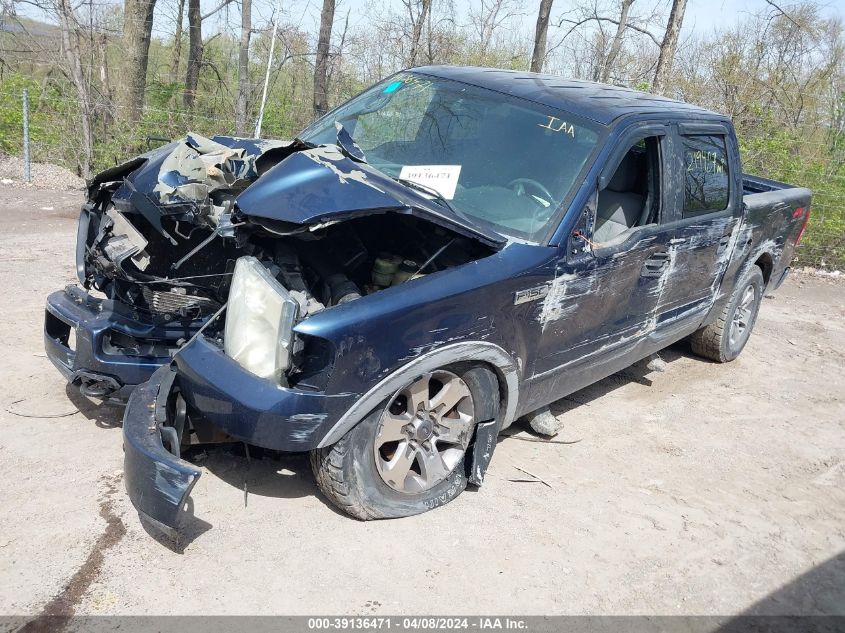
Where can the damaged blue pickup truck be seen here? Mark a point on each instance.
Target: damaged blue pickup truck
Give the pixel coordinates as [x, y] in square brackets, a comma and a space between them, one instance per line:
[448, 251]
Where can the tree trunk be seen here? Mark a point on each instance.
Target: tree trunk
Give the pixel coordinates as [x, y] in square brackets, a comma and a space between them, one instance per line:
[70, 44]
[105, 81]
[416, 35]
[176, 59]
[616, 45]
[321, 66]
[192, 75]
[243, 68]
[539, 55]
[137, 31]
[670, 43]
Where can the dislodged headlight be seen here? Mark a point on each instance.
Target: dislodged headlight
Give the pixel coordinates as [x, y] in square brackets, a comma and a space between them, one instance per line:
[259, 321]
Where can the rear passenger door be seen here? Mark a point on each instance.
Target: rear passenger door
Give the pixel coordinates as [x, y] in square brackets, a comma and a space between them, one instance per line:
[707, 210]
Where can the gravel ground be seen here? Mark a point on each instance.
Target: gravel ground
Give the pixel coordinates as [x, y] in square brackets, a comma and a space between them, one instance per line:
[44, 175]
[702, 489]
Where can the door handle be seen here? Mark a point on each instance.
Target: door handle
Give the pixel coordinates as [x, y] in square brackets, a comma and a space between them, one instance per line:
[655, 265]
[723, 242]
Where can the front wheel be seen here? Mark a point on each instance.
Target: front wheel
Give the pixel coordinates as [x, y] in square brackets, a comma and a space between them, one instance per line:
[724, 339]
[407, 456]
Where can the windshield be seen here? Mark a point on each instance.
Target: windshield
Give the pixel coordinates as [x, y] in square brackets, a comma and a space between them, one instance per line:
[507, 163]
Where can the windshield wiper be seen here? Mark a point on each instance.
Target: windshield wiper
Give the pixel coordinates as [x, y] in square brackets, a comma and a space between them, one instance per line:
[307, 144]
[347, 145]
[436, 195]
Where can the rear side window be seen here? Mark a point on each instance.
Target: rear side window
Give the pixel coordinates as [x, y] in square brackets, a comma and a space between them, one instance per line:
[707, 181]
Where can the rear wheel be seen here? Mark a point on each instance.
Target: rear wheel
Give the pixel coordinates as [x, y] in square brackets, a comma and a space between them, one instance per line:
[724, 339]
[407, 456]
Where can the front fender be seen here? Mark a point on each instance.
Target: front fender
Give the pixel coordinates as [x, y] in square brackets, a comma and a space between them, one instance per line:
[474, 351]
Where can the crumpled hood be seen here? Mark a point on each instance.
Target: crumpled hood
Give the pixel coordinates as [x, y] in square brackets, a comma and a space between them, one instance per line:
[190, 169]
[319, 185]
[305, 186]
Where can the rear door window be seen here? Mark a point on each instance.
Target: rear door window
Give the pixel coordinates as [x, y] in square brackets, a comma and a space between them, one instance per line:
[707, 177]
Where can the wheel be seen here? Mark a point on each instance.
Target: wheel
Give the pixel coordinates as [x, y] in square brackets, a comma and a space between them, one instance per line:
[724, 339]
[407, 456]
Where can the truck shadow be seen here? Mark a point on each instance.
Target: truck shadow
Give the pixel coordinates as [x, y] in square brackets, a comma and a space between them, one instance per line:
[106, 415]
[642, 372]
[192, 528]
[804, 604]
[260, 472]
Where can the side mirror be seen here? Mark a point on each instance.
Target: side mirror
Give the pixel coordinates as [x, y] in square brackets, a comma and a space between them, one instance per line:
[580, 246]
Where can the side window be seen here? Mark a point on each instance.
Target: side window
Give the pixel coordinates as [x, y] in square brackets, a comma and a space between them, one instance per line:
[707, 181]
[632, 197]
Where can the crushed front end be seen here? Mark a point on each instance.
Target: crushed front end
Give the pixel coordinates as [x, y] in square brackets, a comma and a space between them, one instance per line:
[155, 251]
[209, 260]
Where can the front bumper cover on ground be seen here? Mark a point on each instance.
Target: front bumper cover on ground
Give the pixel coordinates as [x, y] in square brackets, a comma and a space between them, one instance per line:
[158, 482]
[217, 390]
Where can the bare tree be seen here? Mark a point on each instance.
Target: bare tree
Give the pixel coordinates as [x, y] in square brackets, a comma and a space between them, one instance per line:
[601, 52]
[137, 32]
[616, 46]
[489, 16]
[418, 19]
[195, 48]
[669, 45]
[176, 58]
[540, 33]
[72, 50]
[192, 75]
[105, 81]
[243, 68]
[321, 66]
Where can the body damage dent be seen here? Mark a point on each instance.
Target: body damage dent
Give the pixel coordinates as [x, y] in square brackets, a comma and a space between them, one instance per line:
[477, 351]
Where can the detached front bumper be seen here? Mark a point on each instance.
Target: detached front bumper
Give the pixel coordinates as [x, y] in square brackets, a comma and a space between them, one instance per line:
[212, 392]
[104, 348]
[157, 481]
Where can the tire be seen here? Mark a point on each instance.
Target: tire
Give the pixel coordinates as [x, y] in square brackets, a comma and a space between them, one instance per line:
[724, 339]
[350, 472]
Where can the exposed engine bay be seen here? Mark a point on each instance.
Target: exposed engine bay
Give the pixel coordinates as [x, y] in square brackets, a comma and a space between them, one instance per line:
[322, 268]
[168, 248]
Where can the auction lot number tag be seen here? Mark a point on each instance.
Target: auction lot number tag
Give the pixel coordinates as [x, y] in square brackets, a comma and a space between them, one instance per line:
[442, 178]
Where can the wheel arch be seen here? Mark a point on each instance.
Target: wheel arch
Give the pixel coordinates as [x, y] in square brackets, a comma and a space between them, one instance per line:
[481, 352]
[766, 263]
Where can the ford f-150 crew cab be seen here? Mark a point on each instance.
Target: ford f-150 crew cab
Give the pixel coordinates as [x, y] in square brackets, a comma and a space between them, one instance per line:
[448, 251]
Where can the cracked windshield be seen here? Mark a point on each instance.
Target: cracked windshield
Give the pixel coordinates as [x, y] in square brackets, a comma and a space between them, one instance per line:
[506, 163]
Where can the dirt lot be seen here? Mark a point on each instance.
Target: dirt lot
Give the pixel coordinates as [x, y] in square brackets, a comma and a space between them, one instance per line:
[704, 489]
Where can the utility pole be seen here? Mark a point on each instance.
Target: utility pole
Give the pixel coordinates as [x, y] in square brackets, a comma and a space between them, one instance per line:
[27, 174]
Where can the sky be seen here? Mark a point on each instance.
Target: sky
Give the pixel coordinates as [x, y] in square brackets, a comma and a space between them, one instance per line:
[702, 16]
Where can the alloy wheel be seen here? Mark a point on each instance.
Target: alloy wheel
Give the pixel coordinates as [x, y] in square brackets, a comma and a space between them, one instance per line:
[741, 321]
[424, 432]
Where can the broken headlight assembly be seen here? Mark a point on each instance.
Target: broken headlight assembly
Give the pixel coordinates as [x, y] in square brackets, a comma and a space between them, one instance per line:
[259, 321]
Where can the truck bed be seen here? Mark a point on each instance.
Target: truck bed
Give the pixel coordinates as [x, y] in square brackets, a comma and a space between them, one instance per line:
[758, 184]
[775, 215]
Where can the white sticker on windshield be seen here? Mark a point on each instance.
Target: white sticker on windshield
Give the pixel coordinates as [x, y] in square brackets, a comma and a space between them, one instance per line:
[442, 178]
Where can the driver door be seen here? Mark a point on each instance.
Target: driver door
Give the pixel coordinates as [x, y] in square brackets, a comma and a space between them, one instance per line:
[606, 294]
